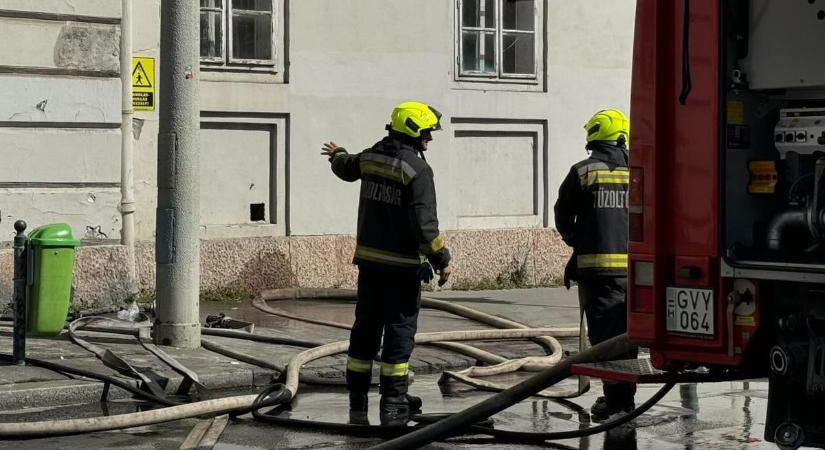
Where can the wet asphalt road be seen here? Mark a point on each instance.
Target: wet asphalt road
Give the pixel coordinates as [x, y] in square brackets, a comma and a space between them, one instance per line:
[726, 415]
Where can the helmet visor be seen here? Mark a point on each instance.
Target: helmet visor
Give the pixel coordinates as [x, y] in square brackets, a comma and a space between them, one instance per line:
[437, 125]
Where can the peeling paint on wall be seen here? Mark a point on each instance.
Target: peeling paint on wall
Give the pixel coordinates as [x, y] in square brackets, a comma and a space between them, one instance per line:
[95, 232]
[137, 128]
[85, 46]
[69, 99]
[39, 206]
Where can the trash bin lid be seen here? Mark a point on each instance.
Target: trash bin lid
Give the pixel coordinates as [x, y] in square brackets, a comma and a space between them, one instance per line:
[55, 235]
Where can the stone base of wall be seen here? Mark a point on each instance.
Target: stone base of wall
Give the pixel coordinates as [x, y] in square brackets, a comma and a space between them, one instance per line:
[481, 259]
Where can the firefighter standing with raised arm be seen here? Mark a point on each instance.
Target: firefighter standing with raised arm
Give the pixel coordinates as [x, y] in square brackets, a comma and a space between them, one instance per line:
[397, 223]
[592, 217]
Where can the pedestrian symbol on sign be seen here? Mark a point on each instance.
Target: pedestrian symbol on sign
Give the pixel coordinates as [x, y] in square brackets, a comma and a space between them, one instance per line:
[140, 78]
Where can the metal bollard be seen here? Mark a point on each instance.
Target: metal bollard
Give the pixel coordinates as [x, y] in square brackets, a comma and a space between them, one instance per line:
[20, 293]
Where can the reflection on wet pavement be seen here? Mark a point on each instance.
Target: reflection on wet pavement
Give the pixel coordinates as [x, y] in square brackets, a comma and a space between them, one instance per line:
[709, 416]
[720, 415]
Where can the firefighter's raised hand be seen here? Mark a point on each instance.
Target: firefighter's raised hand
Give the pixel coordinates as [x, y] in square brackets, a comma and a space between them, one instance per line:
[444, 275]
[329, 148]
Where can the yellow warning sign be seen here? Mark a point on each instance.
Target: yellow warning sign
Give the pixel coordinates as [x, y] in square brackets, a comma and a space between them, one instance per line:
[143, 84]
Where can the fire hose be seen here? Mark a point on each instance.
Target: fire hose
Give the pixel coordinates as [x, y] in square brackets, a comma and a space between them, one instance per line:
[498, 365]
[283, 394]
[235, 404]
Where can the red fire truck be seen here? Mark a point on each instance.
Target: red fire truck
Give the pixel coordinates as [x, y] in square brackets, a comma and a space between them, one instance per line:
[727, 198]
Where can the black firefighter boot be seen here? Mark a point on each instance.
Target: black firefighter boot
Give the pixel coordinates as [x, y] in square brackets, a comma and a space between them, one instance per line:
[618, 399]
[415, 403]
[358, 384]
[395, 410]
[358, 402]
[396, 405]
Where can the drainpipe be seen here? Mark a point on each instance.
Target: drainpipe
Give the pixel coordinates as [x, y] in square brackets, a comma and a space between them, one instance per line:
[127, 185]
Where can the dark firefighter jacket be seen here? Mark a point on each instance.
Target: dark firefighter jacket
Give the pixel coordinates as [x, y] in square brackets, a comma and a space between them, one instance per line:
[591, 213]
[397, 219]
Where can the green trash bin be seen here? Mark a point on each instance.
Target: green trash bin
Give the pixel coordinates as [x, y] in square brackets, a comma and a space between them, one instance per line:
[50, 261]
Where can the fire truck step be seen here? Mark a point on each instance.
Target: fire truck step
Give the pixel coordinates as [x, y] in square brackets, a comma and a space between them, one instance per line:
[642, 372]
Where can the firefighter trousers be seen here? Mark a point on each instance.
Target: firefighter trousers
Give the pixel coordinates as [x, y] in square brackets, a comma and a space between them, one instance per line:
[603, 300]
[388, 305]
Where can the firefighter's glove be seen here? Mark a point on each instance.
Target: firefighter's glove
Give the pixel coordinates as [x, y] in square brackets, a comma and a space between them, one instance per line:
[337, 151]
[440, 259]
[425, 272]
[330, 149]
[444, 275]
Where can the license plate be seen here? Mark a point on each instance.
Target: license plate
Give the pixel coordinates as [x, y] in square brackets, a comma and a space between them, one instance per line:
[690, 311]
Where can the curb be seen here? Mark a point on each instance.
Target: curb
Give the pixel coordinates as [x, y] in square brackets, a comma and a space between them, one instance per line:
[22, 396]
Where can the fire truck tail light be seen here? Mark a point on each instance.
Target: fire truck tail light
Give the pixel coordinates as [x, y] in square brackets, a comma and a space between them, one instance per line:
[643, 273]
[636, 203]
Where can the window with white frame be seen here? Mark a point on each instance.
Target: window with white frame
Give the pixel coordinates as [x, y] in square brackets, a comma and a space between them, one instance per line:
[497, 39]
[237, 32]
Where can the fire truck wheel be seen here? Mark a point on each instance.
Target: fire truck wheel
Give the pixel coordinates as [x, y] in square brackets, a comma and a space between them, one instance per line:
[789, 436]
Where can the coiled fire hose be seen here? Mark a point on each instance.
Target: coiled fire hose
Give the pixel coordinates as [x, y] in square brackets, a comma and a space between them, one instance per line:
[497, 364]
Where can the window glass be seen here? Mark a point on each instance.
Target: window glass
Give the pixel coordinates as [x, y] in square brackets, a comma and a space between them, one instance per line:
[252, 36]
[479, 13]
[479, 52]
[518, 15]
[518, 54]
[498, 38]
[236, 31]
[252, 5]
[211, 33]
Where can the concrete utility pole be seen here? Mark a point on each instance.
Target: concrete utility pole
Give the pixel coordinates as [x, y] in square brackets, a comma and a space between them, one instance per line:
[177, 248]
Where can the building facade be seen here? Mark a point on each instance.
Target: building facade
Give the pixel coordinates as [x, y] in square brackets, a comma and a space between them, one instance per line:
[515, 80]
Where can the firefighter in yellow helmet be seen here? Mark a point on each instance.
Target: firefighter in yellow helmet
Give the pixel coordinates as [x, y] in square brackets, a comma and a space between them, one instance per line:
[592, 218]
[398, 246]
